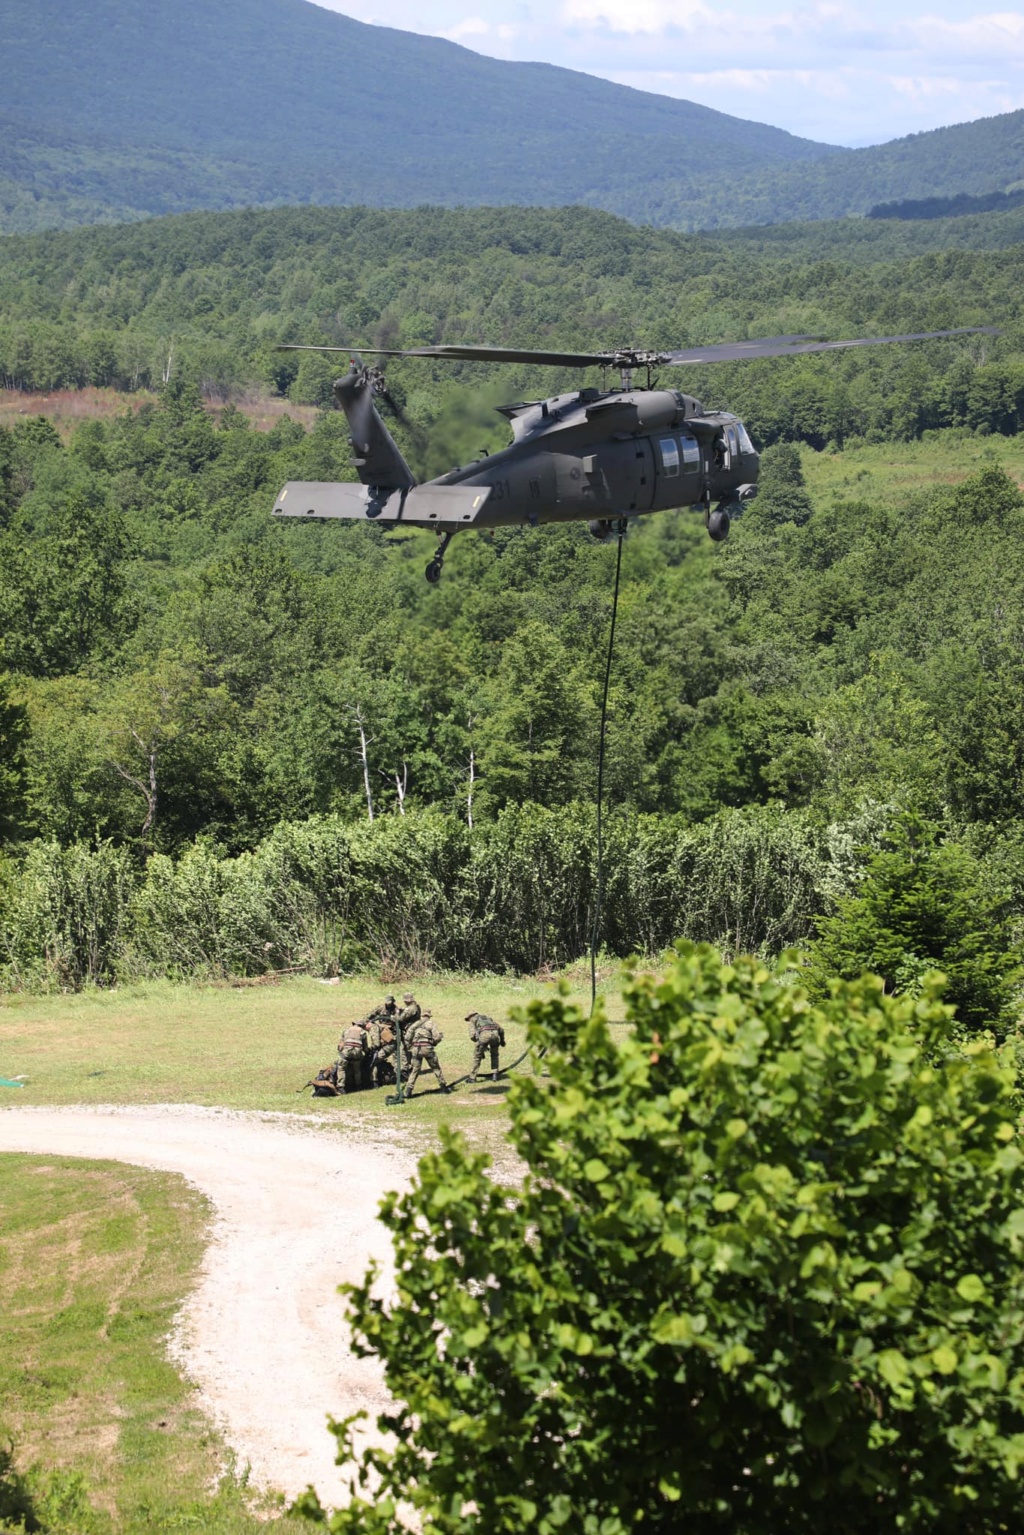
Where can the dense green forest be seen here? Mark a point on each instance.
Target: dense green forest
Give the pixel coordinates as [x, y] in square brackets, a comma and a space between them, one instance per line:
[118, 111]
[201, 708]
[207, 297]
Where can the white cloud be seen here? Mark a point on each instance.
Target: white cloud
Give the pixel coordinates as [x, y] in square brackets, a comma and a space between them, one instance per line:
[632, 16]
[473, 26]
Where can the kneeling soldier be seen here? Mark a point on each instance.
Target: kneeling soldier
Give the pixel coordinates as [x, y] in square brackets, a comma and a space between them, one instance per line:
[351, 1053]
[421, 1042]
[382, 1061]
[486, 1035]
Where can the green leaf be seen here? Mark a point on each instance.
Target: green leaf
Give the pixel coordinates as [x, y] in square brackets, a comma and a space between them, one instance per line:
[945, 1359]
[971, 1288]
[596, 1171]
[674, 1329]
[893, 1367]
[726, 1202]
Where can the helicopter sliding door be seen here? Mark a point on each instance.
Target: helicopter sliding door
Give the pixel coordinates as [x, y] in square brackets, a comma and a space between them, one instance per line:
[613, 479]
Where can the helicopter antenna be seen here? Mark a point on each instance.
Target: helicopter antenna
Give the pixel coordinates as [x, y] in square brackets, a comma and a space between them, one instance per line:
[595, 932]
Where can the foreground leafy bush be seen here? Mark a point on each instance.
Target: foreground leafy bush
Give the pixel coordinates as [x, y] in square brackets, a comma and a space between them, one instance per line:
[763, 1273]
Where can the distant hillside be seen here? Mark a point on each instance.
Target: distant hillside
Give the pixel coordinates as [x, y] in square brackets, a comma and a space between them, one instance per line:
[135, 106]
[113, 110]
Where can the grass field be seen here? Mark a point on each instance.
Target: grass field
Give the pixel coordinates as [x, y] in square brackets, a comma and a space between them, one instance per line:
[248, 1047]
[880, 470]
[95, 1259]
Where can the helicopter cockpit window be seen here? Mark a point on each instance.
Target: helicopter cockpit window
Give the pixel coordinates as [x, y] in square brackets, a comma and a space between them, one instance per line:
[734, 442]
[746, 446]
[691, 454]
[669, 450]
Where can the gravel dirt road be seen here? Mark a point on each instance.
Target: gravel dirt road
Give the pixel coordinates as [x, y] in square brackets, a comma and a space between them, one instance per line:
[295, 1215]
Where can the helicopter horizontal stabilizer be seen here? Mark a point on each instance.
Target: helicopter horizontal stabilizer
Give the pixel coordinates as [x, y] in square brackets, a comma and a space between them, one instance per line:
[420, 506]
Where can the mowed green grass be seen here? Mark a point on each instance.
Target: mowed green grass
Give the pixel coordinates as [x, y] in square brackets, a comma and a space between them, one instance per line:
[248, 1047]
[882, 471]
[95, 1259]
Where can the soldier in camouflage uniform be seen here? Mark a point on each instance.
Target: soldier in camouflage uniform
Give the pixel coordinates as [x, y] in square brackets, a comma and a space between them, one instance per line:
[421, 1042]
[486, 1035]
[381, 1060]
[351, 1056]
[411, 1013]
[386, 1013]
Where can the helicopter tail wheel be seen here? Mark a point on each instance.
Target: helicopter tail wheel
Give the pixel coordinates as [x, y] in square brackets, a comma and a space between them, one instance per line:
[718, 524]
[433, 570]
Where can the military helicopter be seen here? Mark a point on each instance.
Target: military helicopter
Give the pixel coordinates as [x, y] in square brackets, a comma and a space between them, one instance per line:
[600, 456]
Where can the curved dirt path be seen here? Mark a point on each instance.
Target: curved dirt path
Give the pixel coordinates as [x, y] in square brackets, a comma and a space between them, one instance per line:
[295, 1210]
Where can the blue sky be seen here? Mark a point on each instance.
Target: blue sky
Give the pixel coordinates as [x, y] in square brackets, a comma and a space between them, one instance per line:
[841, 72]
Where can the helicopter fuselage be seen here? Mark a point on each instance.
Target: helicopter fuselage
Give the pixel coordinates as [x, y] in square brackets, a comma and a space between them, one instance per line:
[592, 456]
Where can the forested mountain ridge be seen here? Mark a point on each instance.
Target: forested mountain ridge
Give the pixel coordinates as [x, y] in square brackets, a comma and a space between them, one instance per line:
[154, 108]
[115, 110]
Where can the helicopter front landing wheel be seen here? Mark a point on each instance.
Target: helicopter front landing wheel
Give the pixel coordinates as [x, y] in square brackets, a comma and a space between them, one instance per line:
[433, 572]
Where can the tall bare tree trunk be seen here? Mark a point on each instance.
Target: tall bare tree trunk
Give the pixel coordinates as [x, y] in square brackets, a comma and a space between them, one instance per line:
[364, 757]
[470, 722]
[402, 784]
[147, 787]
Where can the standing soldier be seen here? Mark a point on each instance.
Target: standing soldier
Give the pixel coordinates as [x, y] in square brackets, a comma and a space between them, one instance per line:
[486, 1035]
[351, 1055]
[411, 1013]
[386, 1013]
[421, 1042]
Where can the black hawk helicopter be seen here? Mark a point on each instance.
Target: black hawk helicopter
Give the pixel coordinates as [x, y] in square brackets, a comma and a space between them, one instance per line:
[600, 456]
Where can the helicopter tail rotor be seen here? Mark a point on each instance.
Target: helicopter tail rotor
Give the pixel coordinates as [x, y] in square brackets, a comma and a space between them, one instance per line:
[378, 459]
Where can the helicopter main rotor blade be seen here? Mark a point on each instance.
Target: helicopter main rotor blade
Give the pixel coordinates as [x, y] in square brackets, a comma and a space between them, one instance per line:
[635, 357]
[477, 354]
[794, 346]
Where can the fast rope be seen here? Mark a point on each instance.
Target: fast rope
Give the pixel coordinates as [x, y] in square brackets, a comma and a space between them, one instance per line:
[595, 932]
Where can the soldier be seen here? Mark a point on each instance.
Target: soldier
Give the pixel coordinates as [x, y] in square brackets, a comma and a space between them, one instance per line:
[411, 1013]
[486, 1035]
[383, 1069]
[351, 1055]
[386, 1013]
[421, 1042]
[382, 1037]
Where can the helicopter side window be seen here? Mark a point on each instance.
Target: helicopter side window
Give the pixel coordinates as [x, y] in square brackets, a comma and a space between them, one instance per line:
[669, 450]
[691, 454]
[746, 446]
[734, 442]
